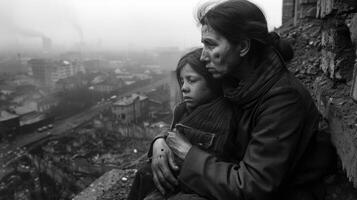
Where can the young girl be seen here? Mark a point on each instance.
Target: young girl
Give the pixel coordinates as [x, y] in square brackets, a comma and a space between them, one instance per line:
[203, 117]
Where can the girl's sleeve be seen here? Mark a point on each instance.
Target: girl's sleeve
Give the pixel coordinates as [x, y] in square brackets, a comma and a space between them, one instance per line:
[162, 134]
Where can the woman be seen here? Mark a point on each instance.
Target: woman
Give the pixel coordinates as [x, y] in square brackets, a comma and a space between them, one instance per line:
[204, 118]
[280, 154]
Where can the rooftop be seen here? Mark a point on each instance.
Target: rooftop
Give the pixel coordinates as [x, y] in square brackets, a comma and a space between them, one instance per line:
[127, 100]
[4, 115]
[22, 110]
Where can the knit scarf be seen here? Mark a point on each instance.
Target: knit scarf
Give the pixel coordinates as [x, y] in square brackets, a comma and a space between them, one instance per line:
[214, 118]
[266, 74]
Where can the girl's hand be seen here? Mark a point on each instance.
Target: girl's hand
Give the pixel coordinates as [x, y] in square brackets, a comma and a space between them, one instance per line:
[162, 165]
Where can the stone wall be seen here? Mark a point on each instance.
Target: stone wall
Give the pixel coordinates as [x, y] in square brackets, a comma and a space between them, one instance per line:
[335, 94]
[337, 52]
[288, 11]
[294, 10]
[336, 89]
[353, 31]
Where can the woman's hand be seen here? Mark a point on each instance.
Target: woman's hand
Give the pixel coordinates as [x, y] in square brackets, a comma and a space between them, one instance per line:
[178, 144]
[162, 165]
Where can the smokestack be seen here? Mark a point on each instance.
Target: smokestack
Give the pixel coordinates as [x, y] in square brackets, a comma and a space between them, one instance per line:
[46, 43]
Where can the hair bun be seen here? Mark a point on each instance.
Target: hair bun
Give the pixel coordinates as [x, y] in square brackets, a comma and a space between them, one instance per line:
[282, 45]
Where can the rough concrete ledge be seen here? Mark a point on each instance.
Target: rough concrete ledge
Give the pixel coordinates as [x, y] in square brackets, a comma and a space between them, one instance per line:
[106, 185]
[340, 112]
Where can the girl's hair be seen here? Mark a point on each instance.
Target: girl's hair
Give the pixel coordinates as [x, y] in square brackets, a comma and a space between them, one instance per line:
[193, 59]
[239, 19]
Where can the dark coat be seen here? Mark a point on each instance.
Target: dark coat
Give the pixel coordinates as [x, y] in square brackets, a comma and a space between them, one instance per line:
[206, 127]
[277, 141]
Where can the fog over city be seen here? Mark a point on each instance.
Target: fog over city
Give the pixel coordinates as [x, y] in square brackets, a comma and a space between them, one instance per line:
[106, 25]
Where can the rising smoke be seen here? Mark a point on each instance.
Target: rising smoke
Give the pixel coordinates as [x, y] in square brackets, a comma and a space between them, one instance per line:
[42, 22]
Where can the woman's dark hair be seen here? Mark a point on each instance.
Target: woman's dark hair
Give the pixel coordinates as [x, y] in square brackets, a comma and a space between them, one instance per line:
[239, 19]
[192, 58]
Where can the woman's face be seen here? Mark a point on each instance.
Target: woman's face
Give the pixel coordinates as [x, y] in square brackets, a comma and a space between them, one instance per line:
[220, 55]
[195, 90]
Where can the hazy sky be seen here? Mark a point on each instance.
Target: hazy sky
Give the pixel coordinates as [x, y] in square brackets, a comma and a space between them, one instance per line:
[108, 24]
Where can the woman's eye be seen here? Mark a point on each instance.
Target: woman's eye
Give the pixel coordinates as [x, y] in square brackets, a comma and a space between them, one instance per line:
[209, 45]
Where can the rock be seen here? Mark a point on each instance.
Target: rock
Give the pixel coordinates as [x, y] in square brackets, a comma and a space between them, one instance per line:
[353, 29]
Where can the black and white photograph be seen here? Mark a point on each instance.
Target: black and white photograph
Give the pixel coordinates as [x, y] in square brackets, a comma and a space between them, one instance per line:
[178, 100]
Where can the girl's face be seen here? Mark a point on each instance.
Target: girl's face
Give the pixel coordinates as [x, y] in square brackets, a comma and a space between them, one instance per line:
[194, 88]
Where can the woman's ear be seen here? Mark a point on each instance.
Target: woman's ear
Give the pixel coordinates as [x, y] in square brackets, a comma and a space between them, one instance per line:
[244, 47]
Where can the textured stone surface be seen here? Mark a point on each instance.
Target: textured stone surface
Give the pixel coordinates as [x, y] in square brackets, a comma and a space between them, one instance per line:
[354, 84]
[337, 54]
[329, 7]
[307, 8]
[351, 3]
[353, 29]
[288, 10]
[324, 8]
[308, 1]
[341, 115]
[104, 185]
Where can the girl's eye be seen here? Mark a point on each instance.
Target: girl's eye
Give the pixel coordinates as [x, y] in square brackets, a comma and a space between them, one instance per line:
[191, 80]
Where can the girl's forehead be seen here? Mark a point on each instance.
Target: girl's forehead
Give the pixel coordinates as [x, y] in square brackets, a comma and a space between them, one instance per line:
[188, 70]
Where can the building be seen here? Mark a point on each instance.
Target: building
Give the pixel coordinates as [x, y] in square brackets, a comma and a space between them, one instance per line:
[97, 65]
[130, 109]
[8, 123]
[107, 84]
[71, 83]
[295, 10]
[26, 112]
[45, 104]
[144, 102]
[23, 80]
[41, 70]
[48, 72]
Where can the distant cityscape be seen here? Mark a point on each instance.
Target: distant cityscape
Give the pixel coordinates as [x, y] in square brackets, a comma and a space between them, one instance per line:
[62, 117]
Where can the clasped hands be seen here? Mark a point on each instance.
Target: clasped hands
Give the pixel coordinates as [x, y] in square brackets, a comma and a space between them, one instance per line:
[163, 164]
